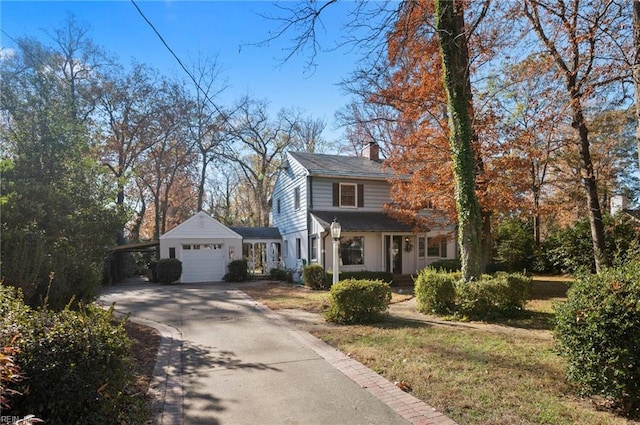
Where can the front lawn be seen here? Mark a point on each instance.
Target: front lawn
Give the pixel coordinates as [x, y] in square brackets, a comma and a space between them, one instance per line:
[476, 373]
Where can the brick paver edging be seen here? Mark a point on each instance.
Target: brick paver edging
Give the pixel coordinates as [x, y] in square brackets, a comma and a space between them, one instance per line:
[406, 405]
[166, 385]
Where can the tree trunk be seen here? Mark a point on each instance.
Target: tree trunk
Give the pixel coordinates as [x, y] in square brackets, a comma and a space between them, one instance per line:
[589, 183]
[636, 68]
[455, 57]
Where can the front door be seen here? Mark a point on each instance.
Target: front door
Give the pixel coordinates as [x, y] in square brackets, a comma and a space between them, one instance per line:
[393, 257]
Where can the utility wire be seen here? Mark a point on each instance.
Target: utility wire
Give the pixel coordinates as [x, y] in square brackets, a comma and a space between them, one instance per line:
[184, 68]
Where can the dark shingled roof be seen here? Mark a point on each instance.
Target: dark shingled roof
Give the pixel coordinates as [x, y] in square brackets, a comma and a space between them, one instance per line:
[361, 221]
[257, 232]
[342, 166]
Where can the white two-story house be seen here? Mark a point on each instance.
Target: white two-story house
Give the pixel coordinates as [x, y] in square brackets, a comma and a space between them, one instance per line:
[312, 190]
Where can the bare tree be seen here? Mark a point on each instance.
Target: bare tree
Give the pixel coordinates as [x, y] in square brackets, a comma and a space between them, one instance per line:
[257, 145]
[208, 122]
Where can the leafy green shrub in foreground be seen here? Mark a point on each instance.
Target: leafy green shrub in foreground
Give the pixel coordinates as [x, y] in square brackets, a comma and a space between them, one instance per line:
[358, 301]
[169, 270]
[314, 276]
[436, 291]
[598, 333]
[75, 363]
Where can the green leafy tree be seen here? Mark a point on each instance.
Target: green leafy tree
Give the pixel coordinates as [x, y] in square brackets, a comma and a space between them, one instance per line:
[54, 214]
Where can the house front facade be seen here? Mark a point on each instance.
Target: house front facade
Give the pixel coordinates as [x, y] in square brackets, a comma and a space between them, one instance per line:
[312, 190]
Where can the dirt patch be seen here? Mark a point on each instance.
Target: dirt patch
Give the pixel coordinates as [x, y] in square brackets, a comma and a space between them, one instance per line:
[144, 349]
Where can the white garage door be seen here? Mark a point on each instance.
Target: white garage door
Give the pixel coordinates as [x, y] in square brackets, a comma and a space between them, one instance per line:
[202, 263]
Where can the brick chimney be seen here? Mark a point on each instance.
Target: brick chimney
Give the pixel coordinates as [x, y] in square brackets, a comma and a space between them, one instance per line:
[371, 151]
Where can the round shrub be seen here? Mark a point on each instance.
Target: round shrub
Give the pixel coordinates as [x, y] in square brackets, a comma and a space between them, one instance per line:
[169, 270]
[238, 271]
[598, 333]
[358, 301]
[314, 276]
[436, 291]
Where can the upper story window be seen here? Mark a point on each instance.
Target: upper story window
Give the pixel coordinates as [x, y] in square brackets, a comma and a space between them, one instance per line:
[349, 195]
[296, 198]
[278, 205]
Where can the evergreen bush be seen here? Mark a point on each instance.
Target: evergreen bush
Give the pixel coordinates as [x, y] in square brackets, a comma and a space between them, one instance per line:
[238, 271]
[436, 291]
[314, 276]
[169, 270]
[281, 275]
[502, 295]
[358, 301]
[598, 333]
[75, 363]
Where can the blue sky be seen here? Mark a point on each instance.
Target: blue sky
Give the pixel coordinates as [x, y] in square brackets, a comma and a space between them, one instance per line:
[226, 29]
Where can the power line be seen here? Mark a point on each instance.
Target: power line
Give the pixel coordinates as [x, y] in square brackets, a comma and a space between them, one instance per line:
[184, 68]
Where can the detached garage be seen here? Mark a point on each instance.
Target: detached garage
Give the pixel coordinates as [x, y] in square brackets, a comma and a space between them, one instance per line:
[204, 245]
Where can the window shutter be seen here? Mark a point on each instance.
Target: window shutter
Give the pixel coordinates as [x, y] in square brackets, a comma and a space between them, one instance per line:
[336, 194]
[360, 195]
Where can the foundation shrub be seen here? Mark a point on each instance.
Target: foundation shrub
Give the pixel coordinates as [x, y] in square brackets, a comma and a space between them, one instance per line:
[281, 275]
[358, 301]
[169, 270]
[314, 276]
[238, 271]
[436, 291]
[598, 333]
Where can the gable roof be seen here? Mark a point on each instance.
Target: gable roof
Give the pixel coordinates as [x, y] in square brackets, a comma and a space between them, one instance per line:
[201, 226]
[318, 164]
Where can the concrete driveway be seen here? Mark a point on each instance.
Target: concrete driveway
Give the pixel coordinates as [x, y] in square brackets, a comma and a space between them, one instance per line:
[227, 359]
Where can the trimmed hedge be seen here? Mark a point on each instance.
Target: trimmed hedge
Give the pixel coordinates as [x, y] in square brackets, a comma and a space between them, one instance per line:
[492, 296]
[436, 291]
[358, 301]
[314, 277]
[598, 333]
[169, 270]
[450, 265]
[501, 295]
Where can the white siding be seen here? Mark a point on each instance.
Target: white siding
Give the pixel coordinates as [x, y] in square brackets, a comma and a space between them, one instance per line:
[201, 229]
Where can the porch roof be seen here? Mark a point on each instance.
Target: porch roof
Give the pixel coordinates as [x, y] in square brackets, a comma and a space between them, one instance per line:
[361, 221]
[258, 233]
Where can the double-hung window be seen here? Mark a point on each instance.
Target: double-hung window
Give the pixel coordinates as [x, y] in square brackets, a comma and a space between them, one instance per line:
[348, 195]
